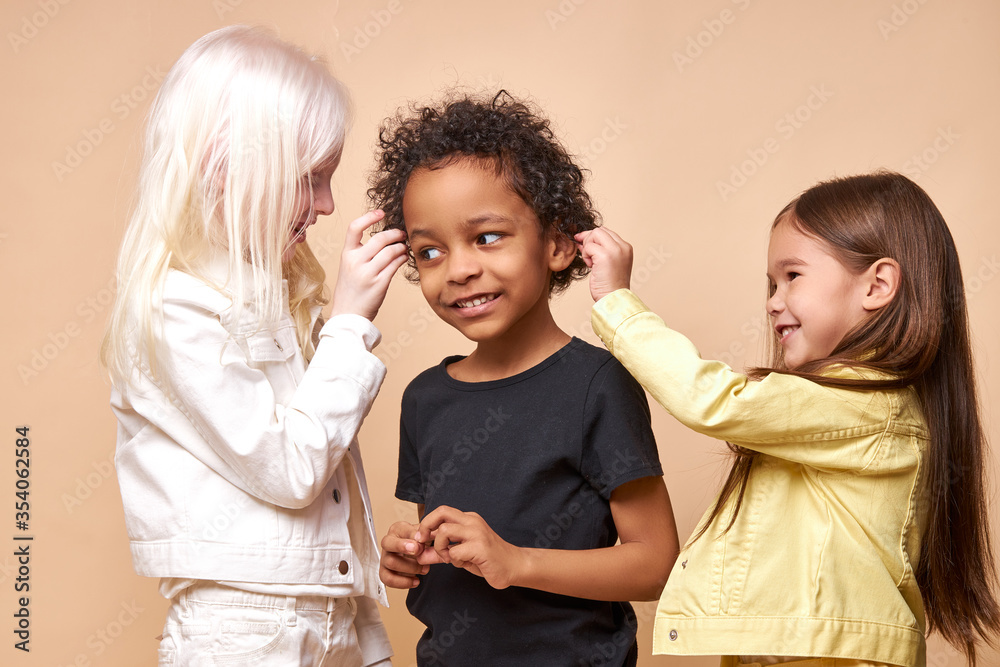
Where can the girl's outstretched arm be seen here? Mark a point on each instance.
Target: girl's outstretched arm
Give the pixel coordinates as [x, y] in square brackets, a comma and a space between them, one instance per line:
[635, 569]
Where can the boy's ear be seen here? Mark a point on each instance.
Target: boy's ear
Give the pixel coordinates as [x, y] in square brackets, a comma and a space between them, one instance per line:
[881, 281]
[562, 251]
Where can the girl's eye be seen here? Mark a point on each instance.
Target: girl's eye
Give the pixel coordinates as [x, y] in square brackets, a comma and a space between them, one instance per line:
[792, 275]
[488, 238]
[428, 253]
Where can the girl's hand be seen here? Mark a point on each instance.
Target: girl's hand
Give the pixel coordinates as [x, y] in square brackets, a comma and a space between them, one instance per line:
[465, 540]
[367, 268]
[404, 557]
[609, 258]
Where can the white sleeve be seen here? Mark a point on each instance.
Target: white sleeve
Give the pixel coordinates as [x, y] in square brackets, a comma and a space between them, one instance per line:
[231, 418]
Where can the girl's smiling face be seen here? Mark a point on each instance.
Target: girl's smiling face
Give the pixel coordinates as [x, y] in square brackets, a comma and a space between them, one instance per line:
[484, 263]
[814, 299]
[315, 198]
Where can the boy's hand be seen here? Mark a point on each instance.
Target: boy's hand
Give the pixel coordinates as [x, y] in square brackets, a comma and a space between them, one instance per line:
[465, 540]
[367, 268]
[403, 557]
[609, 258]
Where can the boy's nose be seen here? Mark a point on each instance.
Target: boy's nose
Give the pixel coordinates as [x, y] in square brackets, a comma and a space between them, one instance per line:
[462, 266]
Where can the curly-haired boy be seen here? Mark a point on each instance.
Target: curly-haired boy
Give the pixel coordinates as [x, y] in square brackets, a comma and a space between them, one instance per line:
[530, 458]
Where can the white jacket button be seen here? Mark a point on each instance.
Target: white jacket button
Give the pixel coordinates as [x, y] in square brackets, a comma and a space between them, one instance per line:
[336, 495]
[343, 567]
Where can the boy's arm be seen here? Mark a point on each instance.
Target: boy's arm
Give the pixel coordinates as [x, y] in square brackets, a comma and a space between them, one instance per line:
[635, 569]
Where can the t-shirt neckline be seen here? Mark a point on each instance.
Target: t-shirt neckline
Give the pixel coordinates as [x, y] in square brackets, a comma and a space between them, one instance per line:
[462, 385]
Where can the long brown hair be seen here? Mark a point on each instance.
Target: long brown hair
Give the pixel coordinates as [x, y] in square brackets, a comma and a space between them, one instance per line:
[920, 339]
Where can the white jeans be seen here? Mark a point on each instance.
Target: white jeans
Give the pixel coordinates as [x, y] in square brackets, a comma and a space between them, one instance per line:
[208, 624]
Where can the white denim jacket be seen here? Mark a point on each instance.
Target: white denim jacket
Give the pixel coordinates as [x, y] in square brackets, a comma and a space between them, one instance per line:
[250, 471]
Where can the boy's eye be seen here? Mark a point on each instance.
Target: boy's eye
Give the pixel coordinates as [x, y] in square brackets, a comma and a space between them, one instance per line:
[428, 253]
[488, 238]
[792, 275]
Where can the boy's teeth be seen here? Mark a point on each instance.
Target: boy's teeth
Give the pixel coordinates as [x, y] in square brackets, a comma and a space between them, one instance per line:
[478, 301]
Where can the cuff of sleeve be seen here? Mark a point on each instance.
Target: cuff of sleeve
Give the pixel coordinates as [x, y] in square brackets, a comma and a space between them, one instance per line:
[374, 643]
[366, 332]
[611, 311]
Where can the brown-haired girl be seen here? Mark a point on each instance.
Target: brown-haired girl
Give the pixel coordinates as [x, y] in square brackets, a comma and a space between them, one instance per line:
[856, 503]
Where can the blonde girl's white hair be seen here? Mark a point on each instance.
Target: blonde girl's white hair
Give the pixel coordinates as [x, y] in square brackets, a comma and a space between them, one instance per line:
[238, 126]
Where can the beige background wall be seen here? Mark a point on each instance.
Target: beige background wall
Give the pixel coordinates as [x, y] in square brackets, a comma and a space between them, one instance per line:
[699, 120]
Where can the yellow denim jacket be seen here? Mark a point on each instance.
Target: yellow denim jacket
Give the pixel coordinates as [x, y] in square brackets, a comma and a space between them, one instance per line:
[820, 561]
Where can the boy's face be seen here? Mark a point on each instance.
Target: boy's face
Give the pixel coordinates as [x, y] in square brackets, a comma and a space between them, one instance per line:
[483, 260]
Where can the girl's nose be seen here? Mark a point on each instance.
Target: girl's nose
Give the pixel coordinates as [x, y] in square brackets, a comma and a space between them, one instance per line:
[774, 304]
[323, 199]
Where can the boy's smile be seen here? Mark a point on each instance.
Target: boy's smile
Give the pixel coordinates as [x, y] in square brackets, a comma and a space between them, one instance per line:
[485, 265]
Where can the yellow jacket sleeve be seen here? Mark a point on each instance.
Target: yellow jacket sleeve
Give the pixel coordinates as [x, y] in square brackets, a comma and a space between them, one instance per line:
[782, 415]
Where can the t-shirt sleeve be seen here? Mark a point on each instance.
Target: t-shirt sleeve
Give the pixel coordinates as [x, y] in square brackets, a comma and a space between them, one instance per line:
[409, 480]
[618, 442]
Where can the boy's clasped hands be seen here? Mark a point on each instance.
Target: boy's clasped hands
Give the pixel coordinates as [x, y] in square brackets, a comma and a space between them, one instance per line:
[448, 535]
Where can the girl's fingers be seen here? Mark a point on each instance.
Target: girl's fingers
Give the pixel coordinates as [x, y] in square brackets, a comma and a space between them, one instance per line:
[387, 255]
[384, 239]
[613, 236]
[357, 227]
[389, 270]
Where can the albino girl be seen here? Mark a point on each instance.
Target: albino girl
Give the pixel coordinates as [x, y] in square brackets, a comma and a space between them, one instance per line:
[238, 408]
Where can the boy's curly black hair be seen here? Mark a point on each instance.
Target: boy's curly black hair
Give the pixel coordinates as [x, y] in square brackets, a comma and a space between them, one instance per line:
[504, 133]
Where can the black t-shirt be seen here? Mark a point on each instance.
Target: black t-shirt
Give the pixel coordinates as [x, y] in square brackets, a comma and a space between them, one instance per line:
[537, 455]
